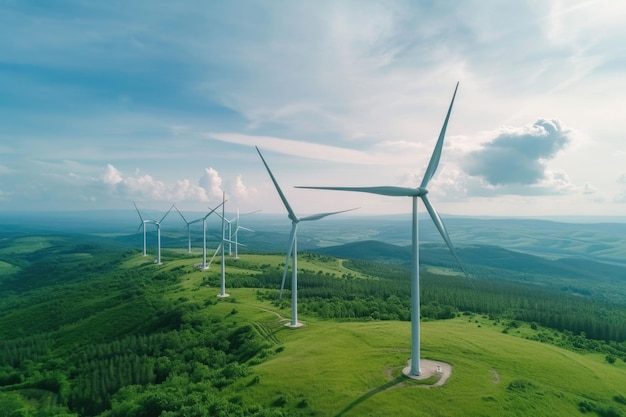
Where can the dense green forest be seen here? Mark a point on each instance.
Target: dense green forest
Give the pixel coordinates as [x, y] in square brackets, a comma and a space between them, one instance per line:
[89, 329]
[84, 335]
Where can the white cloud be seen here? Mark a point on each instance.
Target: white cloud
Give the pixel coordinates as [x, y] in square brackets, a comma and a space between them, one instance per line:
[211, 182]
[240, 191]
[112, 176]
[298, 148]
[144, 187]
[518, 156]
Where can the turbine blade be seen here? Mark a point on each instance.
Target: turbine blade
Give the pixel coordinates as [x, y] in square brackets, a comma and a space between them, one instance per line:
[137, 211]
[292, 215]
[165, 215]
[235, 233]
[213, 210]
[442, 230]
[233, 242]
[322, 215]
[383, 190]
[292, 239]
[181, 215]
[215, 253]
[434, 160]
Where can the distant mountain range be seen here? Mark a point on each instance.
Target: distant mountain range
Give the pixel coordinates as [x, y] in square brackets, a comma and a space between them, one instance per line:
[574, 274]
[597, 238]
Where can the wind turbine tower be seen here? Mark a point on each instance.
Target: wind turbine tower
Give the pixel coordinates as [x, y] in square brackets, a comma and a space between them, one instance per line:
[414, 369]
[293, 246]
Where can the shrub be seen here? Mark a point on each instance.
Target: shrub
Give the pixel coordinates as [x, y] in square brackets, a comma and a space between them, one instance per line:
[520, 385]
[280, 401]
[620, 399]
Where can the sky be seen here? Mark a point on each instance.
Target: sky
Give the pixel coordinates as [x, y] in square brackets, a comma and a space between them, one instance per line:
[156, 102]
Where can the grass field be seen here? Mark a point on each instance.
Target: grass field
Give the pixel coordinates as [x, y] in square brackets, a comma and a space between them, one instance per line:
[351, 369]
[332, 368]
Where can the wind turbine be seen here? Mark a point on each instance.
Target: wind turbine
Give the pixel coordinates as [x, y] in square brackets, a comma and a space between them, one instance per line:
[188, 227]
[223, 272]
[158, 225]
[204, 264]
[422, 192]
[293, 246]
[232, 234]
[238, 228]
[143, 223]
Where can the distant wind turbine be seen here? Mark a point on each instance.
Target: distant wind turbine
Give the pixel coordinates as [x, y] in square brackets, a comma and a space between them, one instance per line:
[203, 219]
[188, 223]
[158, 225]
[421, 192]
[223, 271]
[233, 235]
[293, 246]
[238, 228]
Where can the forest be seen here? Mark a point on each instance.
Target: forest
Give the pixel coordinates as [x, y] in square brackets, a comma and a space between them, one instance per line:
[89, 329]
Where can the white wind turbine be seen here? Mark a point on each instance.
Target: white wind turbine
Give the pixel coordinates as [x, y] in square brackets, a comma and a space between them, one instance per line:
[223, 271]
[188, 228]
[203, 219]
[158, 225]
[231, 234]
[293, 246]
[238, 228]
[422, 192]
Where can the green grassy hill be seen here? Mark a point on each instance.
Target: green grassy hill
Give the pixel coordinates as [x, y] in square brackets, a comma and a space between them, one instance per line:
[353, 369]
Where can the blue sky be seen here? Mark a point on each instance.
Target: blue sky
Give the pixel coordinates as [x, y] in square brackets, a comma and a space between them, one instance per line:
[105, 103]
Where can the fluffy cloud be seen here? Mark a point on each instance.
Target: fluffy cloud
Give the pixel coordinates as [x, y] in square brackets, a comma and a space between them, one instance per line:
[239, 189]
[144, 186]
[211, 182]
[518, 156]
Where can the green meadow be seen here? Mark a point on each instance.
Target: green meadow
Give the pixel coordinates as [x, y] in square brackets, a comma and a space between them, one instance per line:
[335, 368]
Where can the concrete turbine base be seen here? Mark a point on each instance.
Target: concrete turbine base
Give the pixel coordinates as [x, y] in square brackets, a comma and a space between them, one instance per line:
[294, 326]
[223, 295]
[430, 368]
